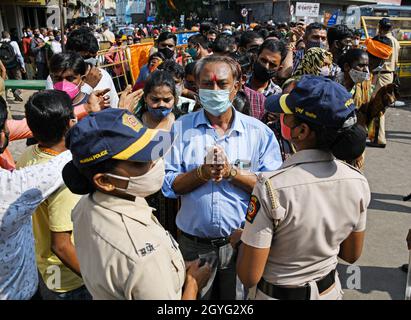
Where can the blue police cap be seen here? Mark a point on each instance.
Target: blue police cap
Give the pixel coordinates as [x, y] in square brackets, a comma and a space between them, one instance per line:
[318, 100]
[115, 134]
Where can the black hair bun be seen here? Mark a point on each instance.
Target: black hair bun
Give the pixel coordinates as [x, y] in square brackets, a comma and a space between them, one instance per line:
[75, 181]
[350, 144]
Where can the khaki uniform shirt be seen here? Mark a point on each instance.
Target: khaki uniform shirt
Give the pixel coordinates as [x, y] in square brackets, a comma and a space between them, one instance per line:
[391, 63]
[124, 252]
[303, 212]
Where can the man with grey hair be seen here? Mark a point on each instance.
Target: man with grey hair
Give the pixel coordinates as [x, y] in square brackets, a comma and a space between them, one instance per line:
[212, 169]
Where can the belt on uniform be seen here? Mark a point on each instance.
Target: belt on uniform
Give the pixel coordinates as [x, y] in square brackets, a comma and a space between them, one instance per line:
[297, 293]
[215, 242]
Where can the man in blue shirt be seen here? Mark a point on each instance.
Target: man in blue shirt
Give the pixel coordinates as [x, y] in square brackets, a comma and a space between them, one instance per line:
[213, 169]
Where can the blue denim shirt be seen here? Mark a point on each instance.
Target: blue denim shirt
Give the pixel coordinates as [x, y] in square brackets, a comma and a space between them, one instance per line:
[216, 209]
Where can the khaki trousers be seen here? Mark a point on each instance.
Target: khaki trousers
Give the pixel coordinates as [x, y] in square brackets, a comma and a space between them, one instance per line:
[376, 132]
[335, 292]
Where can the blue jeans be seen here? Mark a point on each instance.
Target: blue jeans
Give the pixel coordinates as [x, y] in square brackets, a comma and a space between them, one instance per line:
[76, 294]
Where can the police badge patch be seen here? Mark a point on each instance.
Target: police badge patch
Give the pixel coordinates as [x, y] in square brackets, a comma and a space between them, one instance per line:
[253, 207]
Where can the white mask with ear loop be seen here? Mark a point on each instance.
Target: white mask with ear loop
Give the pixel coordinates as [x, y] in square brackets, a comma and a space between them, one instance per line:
[359, 76]
[145, 185]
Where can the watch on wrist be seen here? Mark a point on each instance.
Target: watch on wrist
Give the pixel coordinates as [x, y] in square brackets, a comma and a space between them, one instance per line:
[233, 173]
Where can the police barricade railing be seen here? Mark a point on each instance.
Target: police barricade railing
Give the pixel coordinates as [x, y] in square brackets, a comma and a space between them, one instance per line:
[129, 59]
[132, 58]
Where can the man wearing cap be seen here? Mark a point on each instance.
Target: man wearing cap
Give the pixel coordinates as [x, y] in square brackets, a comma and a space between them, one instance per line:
[313, 209]
[124, 252]
[385, 29]
[212, 169]
[385, 76]
[379, 49]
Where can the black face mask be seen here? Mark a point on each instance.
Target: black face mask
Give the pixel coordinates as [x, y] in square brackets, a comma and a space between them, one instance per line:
[6, 143]
[168, 53]
[36, 35]
[263, 74]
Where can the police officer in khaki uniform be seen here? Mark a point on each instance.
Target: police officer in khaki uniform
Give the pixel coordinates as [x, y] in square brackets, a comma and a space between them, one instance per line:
[313, 209]
[384, 77]
[124, 252]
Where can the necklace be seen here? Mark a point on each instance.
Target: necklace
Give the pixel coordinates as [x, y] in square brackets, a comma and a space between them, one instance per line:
[49, 151]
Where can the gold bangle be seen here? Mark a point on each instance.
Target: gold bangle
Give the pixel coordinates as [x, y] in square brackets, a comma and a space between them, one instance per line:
[200, 175]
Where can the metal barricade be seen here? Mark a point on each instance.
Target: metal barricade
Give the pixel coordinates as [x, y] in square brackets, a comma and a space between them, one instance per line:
[125, 62]
[121, 63]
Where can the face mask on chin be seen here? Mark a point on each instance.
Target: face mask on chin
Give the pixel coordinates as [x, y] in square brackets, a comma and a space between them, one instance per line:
[215, 102]
[145, 185]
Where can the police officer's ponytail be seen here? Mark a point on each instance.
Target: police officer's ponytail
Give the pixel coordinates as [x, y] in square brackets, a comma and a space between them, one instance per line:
[345, 144]
[75, 181]
[350, 143]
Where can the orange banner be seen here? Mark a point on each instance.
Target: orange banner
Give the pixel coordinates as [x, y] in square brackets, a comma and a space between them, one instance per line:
[139, 57]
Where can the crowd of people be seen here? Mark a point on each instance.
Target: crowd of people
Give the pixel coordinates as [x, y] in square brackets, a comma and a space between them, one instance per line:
[247, 146]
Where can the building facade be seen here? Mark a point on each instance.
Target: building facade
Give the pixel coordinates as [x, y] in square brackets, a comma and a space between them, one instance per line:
[17, 14]
[131, 11]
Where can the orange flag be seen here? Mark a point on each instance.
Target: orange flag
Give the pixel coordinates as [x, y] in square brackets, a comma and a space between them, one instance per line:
[139, 57]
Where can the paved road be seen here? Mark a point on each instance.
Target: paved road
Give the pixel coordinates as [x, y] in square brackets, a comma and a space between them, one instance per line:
[389, 218]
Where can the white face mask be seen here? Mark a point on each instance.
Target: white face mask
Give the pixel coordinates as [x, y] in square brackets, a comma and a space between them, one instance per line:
[145, 185]
[325, 71]
[356, 42]
[359, 76]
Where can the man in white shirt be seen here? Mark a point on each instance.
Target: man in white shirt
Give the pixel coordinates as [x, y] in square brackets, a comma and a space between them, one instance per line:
[14, 66]
[107, 34]
[83, 41]
[21, 191]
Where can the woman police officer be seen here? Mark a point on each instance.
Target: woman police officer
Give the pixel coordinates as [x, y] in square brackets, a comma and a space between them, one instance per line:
[124, 252]
[313, 209]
